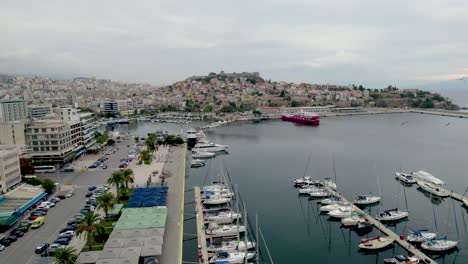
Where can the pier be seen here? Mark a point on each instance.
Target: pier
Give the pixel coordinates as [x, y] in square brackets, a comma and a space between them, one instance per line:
[403, 243]
[201, 235]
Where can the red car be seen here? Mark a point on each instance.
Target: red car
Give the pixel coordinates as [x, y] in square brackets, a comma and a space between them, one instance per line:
[32, 217]
[123, 165]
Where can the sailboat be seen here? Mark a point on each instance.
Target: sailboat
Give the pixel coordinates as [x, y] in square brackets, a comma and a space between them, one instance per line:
[235, 257]
[319, 193]
[224, 230]
[406, 178]
[391, 215]
[376, 243]
[400, 259]
[439, 244]
[433, 188]
[332, 200]
[328, 182]
[366, 199]
[223, 217]
[341, 212]
[230, 245]
[417, 236]
[331, 207]
[214, 200]
[353, 220]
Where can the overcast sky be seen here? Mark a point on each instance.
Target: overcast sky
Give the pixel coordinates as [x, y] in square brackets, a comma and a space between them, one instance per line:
[372, 42]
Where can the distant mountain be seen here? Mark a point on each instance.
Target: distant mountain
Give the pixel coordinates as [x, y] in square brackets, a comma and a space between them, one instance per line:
[456, 90]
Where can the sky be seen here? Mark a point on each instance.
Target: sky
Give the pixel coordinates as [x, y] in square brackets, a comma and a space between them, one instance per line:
[375, 43]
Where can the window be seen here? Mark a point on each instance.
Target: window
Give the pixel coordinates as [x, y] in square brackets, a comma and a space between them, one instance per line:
[34, 137]
[36, 130]
[54, 148]
[35, 149]
[34, 143]
[42, 148]
[44, 130]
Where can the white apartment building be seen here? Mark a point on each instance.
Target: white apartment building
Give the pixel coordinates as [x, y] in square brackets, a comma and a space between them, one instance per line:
[39, 111]
[13, 110]
[53, 141]
[10, 173]
[125, 107]
[87, 126]
[12, 133]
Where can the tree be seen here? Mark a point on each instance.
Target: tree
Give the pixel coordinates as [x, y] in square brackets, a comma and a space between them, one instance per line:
[295, 104]
[88, 227]
[48, 185]
[66, 256]
[110, 142]
[208, 108]
[106, 202]
[282, 93]
[149, 142]
[116, 179]
[26, 167]
[128, 177]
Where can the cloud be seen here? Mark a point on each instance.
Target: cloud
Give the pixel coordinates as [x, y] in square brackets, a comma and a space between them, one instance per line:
[161, 41]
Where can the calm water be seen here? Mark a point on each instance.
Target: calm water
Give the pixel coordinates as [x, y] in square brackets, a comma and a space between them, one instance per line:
[264, 158]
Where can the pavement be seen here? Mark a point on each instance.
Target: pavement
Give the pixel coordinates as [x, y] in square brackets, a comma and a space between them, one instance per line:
[175, 166]
[22, 251]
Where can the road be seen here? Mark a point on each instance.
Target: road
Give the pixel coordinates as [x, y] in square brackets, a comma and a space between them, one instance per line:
[22, 251]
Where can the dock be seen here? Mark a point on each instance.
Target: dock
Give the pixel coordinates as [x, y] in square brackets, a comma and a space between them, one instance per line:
[201, 234]
[403, 243]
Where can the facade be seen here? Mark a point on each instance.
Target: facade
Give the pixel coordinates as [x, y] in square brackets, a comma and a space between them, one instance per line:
[87, 126]
[39, 111]
[109, 108]
[53, 141]
[10, 174]
[125, 107]
[13, 110]
[12, 133]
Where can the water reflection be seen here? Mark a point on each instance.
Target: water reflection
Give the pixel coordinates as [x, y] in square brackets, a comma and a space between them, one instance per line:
[436, 200]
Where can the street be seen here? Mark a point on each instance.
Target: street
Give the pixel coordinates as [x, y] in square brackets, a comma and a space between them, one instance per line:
[22, 251]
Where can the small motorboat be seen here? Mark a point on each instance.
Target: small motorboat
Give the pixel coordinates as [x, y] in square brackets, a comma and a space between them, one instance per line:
[203, 155]
[235, 257]
[230, 245]
[224, 230]
[366, 199]
[400, 259]
[328, 182]
[341, 212]
[439, 244]
[376, 243]
[331, 207]
[406, 178]
[363, 226]
[225, 193]
[332, 200]
[353, 220]
[303, 180]
[309, 189]
[433, 188]
[417, 236]
[197, 163]
[210, 147]
[319, 193]
[391, 215]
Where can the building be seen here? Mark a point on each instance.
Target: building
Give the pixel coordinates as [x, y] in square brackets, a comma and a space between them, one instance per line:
[39, 111]
[10, 174]
[52, 141]
[87, 126]
[12, 133]
[13, 110]
[109, 108]
[125, 107]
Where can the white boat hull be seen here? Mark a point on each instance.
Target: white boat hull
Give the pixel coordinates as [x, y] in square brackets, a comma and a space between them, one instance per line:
[406, 178]
[392, 216]
[439, 245]
[233, 246]
[376, 243]
[214, 201]
[421, 238]
[224, 218]
[367, 201]
[228, 230]
[233, 258]
[434, 189]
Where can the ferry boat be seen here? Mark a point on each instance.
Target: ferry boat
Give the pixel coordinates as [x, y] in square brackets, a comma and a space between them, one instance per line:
[310, 119]
[191, 138]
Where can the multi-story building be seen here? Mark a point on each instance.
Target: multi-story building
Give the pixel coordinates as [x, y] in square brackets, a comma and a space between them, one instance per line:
[12, 133]
[39, 111]
[109, 108]
[10, 174]
[88, 128]
[53, 141]
[125, 107]
[13, 110]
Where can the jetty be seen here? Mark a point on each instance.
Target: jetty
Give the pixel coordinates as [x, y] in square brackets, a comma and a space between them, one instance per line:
[201, 234]
[403, 243]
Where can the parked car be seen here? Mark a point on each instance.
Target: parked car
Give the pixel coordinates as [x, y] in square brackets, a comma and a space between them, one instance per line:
[41, 248]
[32, 217]
[62, 197]
[68, 233]
[10, 238]
[123, 165]
[89, 195]
[38, 222]
[52, 249]
[91, 188]
[84, 211]
[17, 233]
[55, 200]
[70, 193]
[93, 166]
[62, 241]
[49, 203]
[68, 228]
[38, 213]
[89, 207]
[43, 208]
[2, 247]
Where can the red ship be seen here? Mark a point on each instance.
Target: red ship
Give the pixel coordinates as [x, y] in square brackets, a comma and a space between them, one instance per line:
[310, 119]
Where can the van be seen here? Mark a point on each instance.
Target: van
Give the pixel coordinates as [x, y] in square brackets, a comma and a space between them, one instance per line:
[38, 222]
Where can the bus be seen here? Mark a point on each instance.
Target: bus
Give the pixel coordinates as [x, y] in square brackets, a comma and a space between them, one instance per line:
[42, 169]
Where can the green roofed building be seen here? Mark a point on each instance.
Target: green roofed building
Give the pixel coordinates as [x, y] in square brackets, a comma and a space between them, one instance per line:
[142, 218]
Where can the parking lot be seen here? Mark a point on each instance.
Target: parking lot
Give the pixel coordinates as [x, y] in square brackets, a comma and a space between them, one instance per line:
[22, 251]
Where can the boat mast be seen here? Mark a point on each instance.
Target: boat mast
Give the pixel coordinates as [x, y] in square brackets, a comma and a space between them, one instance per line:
[256, 236]
[245, 234]
[334, 168]
[307, 166]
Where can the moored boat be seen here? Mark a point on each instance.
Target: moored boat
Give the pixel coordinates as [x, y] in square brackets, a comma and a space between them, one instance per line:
[214, 200]
[332, 200]
[235, 257]
[320, 193]
[210, 147]
[230, 245]
[331, 207]
[341, 212]
[203, 155]
[353, 220]
[223, 217]
[366, 199]
[400, 259]
[421, 235]
[439, 244]
[376, 243]
[197, 163]
[406, 178]
[433, 188]
[224, 230]
[328, 182]
[303, 119]
[391, 215]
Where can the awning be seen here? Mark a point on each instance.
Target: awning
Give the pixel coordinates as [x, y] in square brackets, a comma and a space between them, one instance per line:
[80, 153]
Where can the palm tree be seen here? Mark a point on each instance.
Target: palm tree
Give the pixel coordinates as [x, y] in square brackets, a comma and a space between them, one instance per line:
[106, 202]
[88, 227]
[116, 179]
[66, 255]
[128, 177]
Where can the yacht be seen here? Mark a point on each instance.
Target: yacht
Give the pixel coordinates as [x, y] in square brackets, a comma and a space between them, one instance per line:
[320, 193]
[433, 188]
[376, 242]
[331, 207]
[309, 189]
[235, 257]
[210, 147]
[303, 180]
[213, 200]
[332, 200]
[223, 217]
[353, 220]
[426, 176]
[203, 155]
[439, 244]
[400, 259]
[224, 193]
[422, 235]
[391, 215]
[366, 199]
[230, 245]
[406, 178]
[341, 212]
[224, 230]
[197, 163]
[191, 137]
[328, 182]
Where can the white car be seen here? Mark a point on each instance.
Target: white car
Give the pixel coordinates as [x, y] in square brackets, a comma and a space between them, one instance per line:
[56, 245]
[66, 233]
[70, 194]
[50, 204]
[2, 247]
[45, 206]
